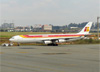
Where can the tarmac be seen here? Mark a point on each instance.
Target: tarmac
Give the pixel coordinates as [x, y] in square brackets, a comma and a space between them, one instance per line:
[62, 58]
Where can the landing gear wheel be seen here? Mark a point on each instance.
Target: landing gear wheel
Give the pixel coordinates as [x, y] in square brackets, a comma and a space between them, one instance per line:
[4, 45]
[55, 44]
[9, 44]
[49, 44]
[52, 44]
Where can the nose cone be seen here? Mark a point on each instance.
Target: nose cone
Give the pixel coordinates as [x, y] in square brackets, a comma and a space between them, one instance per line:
[10, 39]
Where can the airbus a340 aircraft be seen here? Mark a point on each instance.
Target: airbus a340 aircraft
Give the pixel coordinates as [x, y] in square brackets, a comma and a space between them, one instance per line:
[52, 39]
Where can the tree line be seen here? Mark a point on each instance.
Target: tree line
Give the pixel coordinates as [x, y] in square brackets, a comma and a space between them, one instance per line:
[81, 25]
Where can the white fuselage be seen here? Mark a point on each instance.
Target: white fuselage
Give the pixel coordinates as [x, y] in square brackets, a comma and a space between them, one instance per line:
[44, 37]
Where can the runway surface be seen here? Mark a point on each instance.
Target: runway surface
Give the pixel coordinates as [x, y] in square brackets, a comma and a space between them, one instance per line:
[62, 58]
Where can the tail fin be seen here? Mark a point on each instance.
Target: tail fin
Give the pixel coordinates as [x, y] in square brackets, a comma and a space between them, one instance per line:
[86, 29]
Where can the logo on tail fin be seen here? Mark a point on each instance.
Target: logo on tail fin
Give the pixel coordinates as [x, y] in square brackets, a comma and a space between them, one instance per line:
[86, 29]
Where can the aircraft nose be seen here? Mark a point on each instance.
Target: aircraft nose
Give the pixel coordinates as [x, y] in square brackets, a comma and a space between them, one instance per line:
[10, 39]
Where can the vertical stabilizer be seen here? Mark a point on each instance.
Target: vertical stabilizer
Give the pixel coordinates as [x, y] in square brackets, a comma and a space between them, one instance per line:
[86, 29]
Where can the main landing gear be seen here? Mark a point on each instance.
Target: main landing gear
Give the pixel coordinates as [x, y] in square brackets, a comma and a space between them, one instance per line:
[52, 44]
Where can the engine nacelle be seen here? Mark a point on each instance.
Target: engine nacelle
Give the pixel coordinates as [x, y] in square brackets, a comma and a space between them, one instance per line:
[47, 42]
[61, 40]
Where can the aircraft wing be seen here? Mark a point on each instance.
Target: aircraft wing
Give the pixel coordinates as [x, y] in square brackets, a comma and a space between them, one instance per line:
[59, 40]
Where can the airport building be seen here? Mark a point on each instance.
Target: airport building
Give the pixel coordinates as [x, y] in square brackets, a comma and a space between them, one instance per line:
[47, 28]
[22, 29]
[7, 25]
[37, 28]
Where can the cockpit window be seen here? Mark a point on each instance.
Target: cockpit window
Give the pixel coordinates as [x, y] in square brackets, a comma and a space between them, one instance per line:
[12, 37]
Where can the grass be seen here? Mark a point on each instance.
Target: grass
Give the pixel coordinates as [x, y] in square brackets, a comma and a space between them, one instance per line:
[10, 34]
[87, 41]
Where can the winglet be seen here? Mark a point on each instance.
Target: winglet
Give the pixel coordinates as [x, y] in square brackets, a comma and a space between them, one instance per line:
[86, 29]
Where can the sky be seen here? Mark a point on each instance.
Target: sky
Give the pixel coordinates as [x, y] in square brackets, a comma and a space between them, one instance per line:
[55, 12]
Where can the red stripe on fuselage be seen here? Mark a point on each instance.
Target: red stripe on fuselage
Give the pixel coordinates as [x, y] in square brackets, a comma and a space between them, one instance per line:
[32, 36]
[42, 36]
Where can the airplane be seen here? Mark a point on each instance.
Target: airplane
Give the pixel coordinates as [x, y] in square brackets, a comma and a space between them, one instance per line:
[52, 39]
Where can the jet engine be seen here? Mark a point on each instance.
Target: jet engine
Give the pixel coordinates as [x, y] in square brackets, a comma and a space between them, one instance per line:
[47, 42]
[61, 40]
